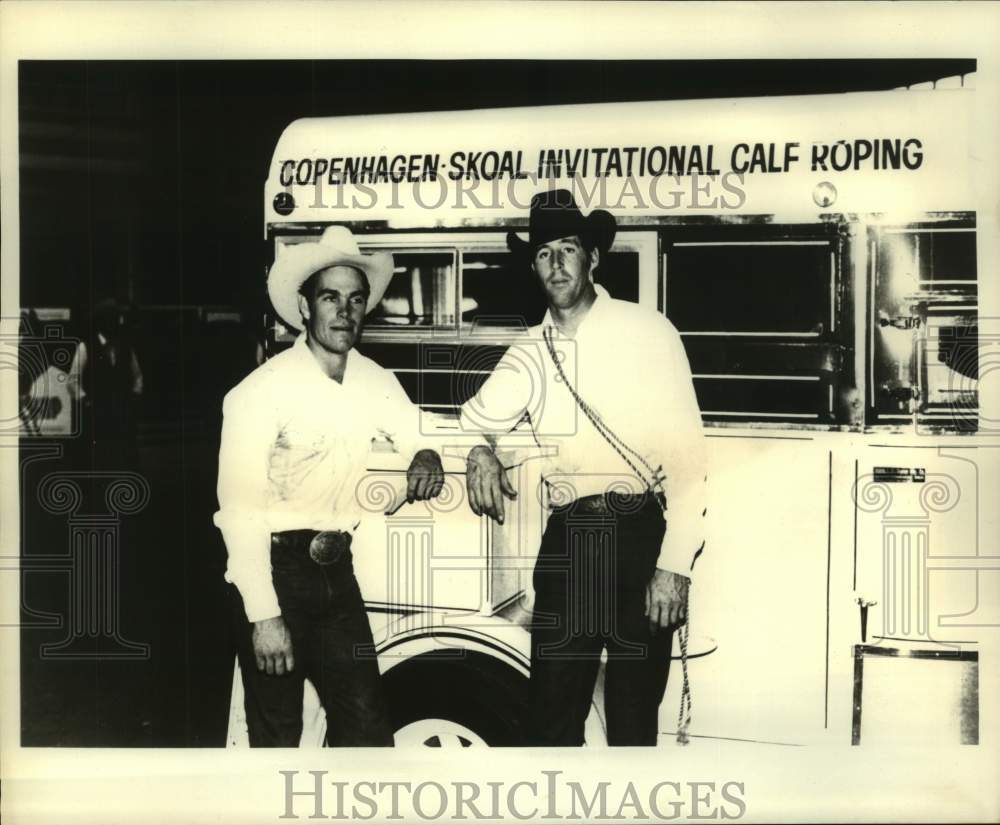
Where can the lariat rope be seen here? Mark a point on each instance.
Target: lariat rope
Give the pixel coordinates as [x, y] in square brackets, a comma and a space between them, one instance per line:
[610, 436]
[684, 714]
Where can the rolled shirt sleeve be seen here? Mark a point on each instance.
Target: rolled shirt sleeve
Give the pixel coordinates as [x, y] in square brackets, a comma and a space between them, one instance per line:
[679, 445]
[398, 419]
[249, 429]
[503, 398]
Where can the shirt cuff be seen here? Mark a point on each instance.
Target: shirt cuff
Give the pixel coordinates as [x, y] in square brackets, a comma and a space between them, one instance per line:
[249, 568]
[679, 549]
[260, 601]
[462, 451]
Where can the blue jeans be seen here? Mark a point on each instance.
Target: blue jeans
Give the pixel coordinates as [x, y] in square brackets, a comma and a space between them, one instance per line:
[333, 648]
[590, 581]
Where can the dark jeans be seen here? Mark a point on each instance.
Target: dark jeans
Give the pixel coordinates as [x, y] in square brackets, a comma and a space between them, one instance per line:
[333, 648]
[590, 582]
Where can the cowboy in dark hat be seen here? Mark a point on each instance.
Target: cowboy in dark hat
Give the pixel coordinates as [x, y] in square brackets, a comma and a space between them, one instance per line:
[627, 441]
[563, 249]
[554, 215]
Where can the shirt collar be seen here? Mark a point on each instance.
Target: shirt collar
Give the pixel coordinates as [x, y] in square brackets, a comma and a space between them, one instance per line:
[310, 364]
[601, 302]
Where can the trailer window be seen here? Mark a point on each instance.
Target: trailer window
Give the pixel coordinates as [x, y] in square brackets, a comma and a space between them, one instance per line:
[924, 333]
[421, 292]
[757, 308]
[946, 257]
[755, 288]
[498, 291]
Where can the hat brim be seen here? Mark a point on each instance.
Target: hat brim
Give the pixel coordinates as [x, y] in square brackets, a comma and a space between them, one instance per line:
[296, 263]
[600, 226]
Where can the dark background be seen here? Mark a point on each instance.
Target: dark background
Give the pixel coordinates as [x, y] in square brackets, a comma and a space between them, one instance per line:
[143, 182]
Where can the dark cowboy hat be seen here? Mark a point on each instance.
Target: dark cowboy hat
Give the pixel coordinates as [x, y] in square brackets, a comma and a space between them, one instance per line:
[554, 214]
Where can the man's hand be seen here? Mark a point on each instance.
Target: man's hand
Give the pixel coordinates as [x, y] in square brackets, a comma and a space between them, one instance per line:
[487, 484]
[272, 645]
[425, 476]
[666, 599]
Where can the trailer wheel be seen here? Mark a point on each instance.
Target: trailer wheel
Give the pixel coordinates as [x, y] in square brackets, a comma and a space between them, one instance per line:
[469, 700]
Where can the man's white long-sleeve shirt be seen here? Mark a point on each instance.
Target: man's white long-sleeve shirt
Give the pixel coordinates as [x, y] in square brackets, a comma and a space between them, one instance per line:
[295, 445]
[629, 364]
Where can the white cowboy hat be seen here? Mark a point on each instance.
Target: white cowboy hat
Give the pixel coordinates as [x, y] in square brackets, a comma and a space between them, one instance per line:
[336, 247]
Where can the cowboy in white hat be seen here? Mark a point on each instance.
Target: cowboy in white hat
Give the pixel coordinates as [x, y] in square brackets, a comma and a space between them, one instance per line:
[295, 442]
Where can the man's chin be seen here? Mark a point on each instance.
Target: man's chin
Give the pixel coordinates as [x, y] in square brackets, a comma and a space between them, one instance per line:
[561, 300]
[340, 342]
[561, 293]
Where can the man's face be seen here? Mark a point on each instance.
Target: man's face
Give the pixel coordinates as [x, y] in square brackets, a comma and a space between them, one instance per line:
[335, 313]
[564, 267]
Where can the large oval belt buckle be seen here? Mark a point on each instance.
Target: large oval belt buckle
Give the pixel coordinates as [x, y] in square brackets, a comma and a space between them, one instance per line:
[329, 546]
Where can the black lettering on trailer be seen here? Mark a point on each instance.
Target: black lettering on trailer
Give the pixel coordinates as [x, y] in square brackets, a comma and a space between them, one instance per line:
[818, 161]
[303, 174]
[914, 159]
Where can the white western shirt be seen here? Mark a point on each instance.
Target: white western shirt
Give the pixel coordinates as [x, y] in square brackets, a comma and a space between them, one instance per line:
[628, 363]
[295, 445]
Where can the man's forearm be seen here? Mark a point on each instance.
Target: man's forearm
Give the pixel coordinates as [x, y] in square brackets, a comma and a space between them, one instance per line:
[249, 568]
[685, 533]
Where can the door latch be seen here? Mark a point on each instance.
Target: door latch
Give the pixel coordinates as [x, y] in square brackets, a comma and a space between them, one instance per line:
[899, 321]
[902, 392]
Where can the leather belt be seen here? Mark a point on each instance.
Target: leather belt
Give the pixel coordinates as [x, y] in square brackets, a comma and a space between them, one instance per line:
[612, 504]
[325, 547]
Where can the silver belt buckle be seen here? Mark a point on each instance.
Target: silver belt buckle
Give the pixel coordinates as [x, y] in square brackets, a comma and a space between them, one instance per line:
[595, 505]
[329, 546]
